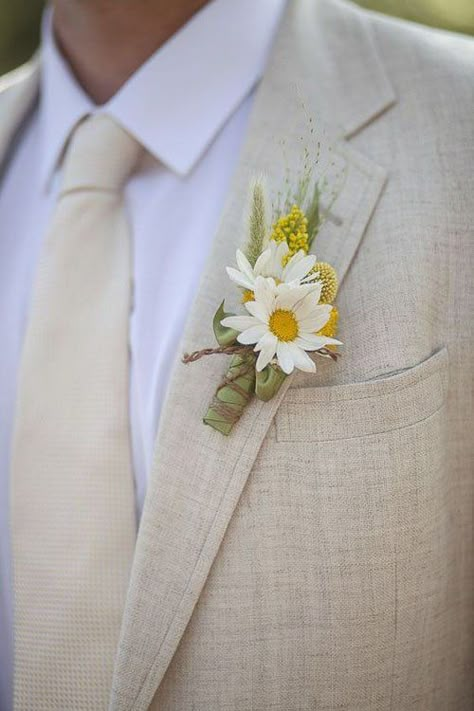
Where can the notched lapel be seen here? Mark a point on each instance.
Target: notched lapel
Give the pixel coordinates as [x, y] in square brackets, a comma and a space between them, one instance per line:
[345, 223]
[198, 474]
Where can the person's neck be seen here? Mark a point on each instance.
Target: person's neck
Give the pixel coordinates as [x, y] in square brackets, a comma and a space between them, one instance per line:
[106, 41]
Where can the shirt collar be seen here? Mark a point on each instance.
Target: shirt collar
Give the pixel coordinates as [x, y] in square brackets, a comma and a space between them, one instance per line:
[175, 103]
[62, 102]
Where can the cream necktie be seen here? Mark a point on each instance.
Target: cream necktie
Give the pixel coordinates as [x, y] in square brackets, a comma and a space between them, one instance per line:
[72, 516]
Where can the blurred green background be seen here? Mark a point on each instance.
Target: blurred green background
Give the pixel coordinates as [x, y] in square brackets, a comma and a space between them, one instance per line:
[19, 31]
[20, 19]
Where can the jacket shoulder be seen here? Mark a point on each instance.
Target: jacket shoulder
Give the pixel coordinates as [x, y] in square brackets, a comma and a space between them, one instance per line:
[18, 93]
[18, 77]
[418, 52]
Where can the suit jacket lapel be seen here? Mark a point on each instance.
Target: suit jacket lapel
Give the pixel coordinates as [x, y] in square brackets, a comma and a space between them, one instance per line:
[198, 474]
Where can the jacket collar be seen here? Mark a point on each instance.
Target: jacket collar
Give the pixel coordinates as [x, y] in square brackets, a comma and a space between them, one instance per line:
[352, 89]
[178, 100]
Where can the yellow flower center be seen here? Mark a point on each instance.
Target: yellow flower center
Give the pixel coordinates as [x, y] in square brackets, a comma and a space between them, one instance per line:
[283, 325]
[248, 295]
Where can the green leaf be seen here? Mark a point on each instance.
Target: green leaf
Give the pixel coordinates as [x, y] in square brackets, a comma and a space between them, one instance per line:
[214, 419]
[224, 336]
[268, 382]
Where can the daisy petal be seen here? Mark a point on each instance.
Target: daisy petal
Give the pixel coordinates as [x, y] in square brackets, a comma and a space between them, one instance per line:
[239, 323]
[317, 320]
[257, 309]
[261, 265]
[267, 347]
[310, 302]
[311, 278]
[285, 359]
[301, 359]
[279, 252]
[244, 265]
[253, 334]
[294, 260]
[331, 341]
[297, 269]
[310, 342]
[239, 278]
[307, 307]
[288, 296]
[264, 291]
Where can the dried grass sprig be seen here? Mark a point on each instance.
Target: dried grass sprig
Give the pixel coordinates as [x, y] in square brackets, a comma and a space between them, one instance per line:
[257, 223]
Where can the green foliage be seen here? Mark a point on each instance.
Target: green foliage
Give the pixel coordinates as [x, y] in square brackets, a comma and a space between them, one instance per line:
[20, 20]
[19, 31]
[224, 336]
[457, 15]
[233, 394]
[268, 382]
[312, 214]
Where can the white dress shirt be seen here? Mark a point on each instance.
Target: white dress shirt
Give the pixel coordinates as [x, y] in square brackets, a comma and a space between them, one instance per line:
[188, 105]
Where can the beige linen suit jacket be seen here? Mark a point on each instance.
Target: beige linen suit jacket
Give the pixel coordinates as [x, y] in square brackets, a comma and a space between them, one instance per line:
[321, 556]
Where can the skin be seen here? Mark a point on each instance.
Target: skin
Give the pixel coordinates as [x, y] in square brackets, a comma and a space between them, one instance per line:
[106, 41]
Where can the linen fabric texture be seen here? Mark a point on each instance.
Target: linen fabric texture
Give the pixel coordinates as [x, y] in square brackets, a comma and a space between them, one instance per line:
[321, 556]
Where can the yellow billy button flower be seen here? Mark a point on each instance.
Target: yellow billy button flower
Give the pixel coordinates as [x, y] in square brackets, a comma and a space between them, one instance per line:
[292, 229]
[326, 275]
[330, 327]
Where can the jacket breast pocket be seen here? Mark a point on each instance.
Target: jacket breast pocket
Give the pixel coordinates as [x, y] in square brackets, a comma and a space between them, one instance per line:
[366, 409]
[355, 523]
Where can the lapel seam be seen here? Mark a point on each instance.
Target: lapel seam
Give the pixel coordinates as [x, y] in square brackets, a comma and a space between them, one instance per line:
[384, 96]
[372, 179]
[351, 133]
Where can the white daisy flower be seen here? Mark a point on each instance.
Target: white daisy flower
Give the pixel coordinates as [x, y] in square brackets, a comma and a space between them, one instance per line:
[283, 321]
[270, 264]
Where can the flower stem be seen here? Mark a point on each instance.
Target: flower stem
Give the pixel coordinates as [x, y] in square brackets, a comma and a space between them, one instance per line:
[222, 350]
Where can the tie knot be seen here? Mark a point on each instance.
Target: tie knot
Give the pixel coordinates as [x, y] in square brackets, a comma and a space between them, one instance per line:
[100, 155]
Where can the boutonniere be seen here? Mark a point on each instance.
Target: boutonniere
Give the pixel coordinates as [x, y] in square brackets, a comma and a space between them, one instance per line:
[287, 299]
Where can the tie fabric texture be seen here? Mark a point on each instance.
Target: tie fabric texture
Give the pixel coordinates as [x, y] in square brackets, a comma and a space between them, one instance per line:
[72, 498]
